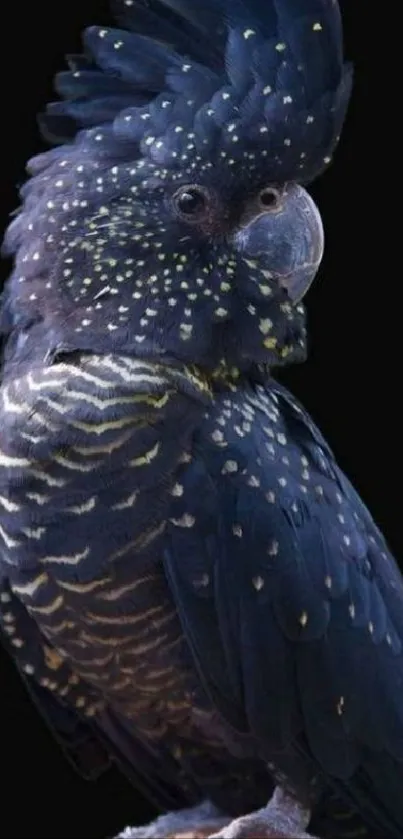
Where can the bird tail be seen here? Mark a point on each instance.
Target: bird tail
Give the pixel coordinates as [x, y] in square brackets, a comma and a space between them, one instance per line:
[377, 791]
[153, 771]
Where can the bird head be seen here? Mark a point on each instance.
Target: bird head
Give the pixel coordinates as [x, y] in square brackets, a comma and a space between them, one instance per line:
[171, 220]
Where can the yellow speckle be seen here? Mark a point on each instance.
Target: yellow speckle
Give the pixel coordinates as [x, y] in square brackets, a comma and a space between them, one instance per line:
[52, 658]
[317, 27]
[248, 33]
[230, 466]
[186, 329]
[177, 490]
[202, 582]
[265, 325]
[8, 617]
[270, 343]
[303, 619]
[185, 521]
[273, 548]
[340, 706]
[280, 47]
[328, 582]
[258, 583]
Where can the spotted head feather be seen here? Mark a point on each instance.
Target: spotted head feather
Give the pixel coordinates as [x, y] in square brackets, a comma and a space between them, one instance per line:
[166, 218]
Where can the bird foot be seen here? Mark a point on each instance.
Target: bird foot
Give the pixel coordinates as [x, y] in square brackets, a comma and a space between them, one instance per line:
[193, 823]
[282, 818]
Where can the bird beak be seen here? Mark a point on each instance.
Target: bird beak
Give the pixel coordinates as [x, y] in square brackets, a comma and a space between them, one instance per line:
[287, 244]
[300, 277]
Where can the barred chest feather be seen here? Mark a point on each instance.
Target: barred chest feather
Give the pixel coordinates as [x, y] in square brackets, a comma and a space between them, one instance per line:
[106, 470]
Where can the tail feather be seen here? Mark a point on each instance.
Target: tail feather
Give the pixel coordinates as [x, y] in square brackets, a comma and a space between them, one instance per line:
[377, 791]
[151, 770]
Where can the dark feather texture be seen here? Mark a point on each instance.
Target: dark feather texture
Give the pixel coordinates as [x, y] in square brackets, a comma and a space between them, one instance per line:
[295, 581]
[190, 585]
[270, 48]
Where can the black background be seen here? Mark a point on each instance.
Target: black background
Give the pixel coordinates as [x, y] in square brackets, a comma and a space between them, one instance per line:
[350, 383]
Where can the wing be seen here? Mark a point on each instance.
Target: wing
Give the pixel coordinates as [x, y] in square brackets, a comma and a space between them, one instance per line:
[85, 480]
[291, 601]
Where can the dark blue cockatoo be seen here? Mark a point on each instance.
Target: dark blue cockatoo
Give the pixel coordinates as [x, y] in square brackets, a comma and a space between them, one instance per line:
[189, 584]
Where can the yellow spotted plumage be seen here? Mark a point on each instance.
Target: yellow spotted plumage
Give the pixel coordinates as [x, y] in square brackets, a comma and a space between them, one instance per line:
[188, 583]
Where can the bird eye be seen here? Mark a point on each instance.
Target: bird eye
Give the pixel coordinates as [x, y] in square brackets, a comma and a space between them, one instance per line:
[269, 198]
[191, 202]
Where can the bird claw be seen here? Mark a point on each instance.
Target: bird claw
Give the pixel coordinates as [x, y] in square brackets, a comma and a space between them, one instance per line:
[282, 818]
[258, 827]
[193, 823]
